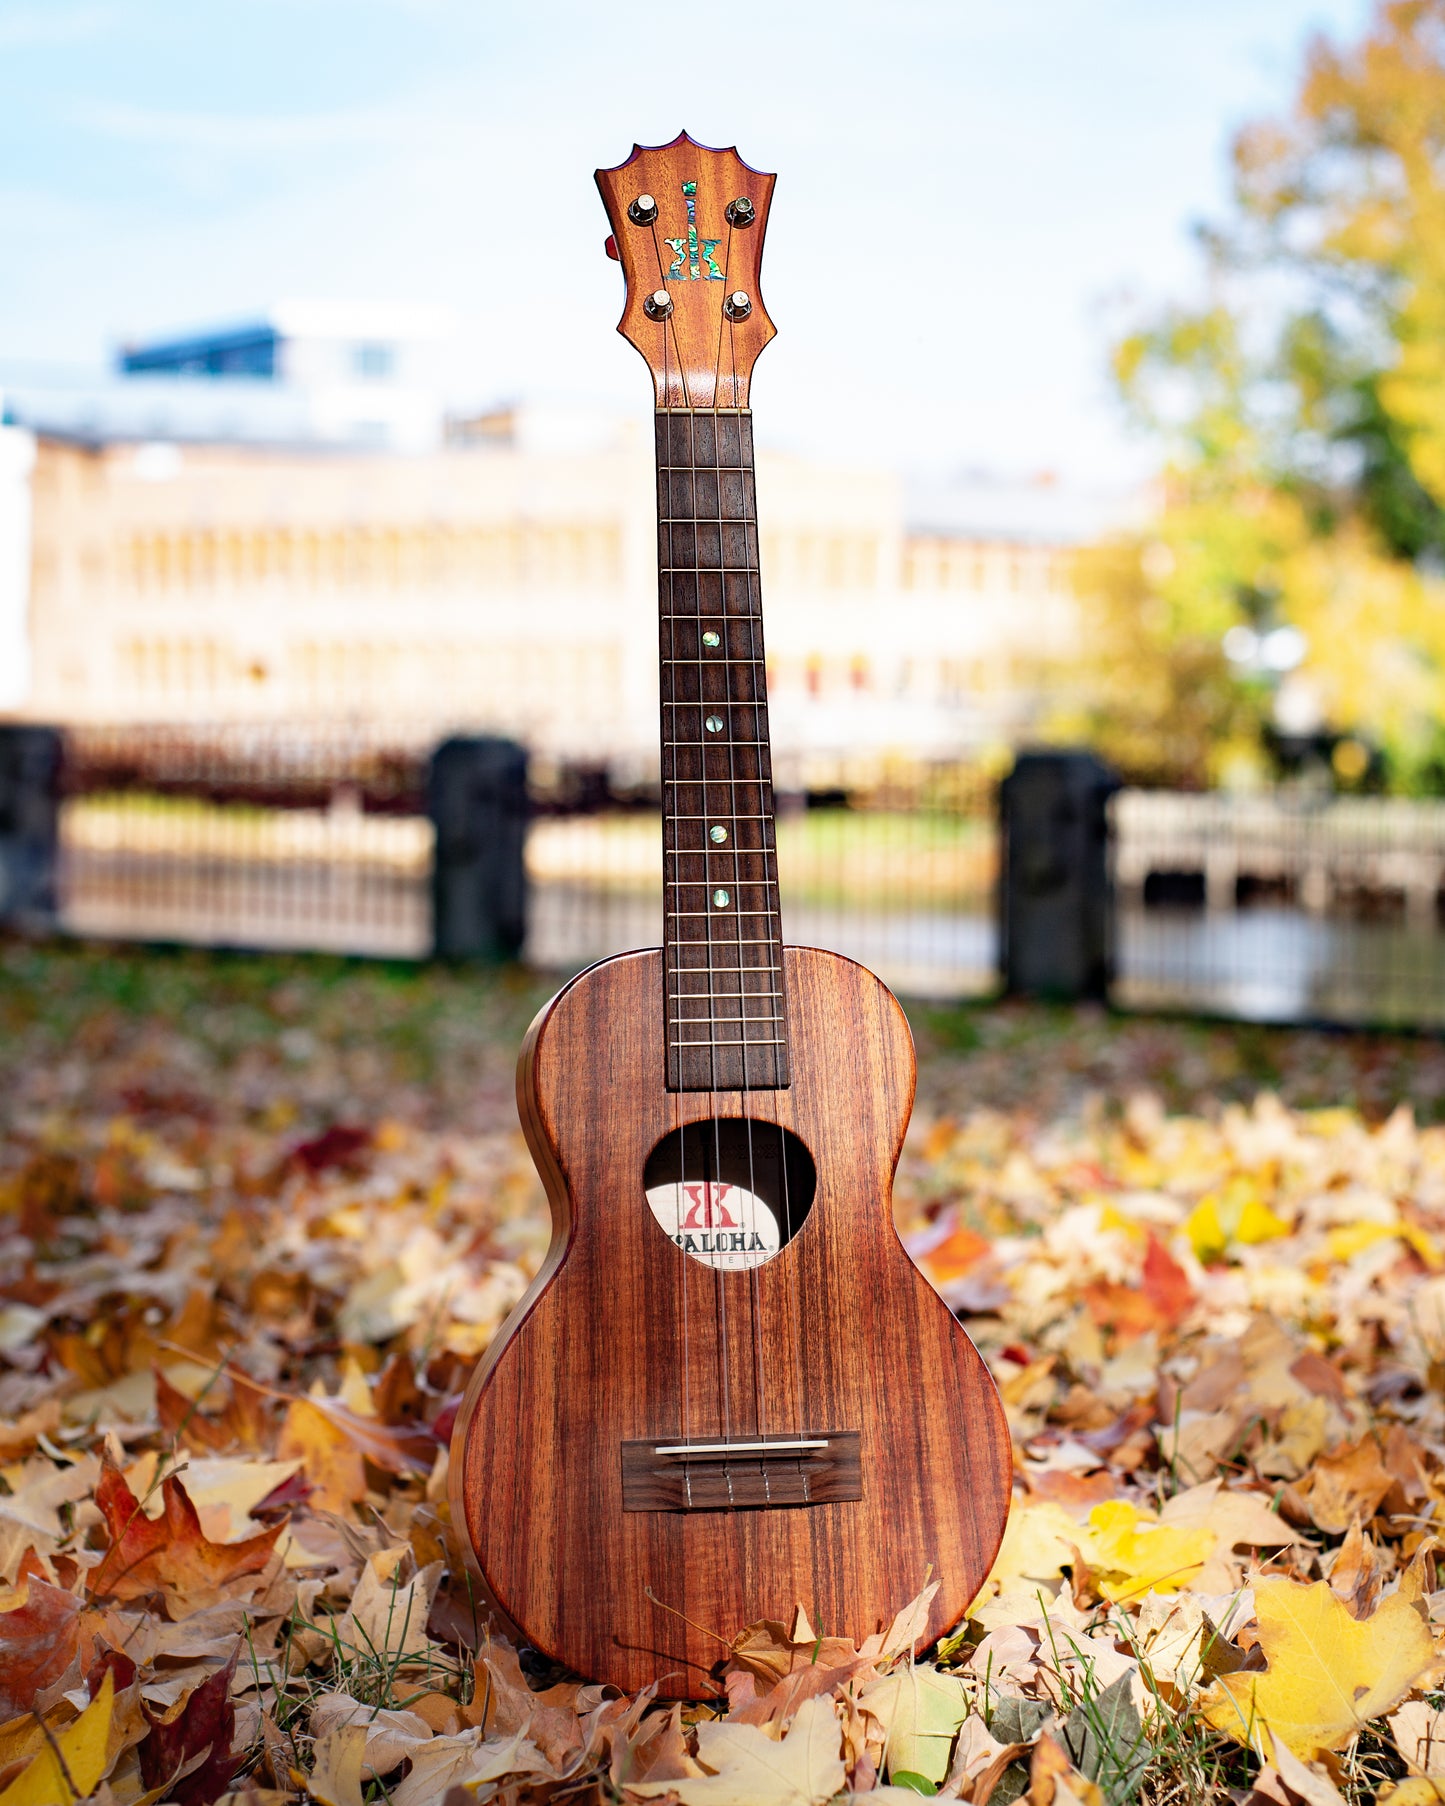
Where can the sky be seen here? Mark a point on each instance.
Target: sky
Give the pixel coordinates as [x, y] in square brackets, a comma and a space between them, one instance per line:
[972, 195]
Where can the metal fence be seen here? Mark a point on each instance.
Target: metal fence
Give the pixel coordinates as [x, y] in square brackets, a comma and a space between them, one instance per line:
[277, 838]
[1280, 907]
[257, 837]
[1274, 907]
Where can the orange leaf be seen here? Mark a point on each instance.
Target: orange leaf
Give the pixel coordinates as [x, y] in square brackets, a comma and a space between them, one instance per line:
[170, 1555]
[1345, 1483]
[955, 1254]
[1166, 1284]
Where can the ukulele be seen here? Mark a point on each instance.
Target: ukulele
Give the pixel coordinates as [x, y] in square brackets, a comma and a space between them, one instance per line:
[728, 1390]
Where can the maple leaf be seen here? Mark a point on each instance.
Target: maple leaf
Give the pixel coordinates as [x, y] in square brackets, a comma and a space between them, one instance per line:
[170, 1555]
[1328, 1674]
[39, 1635]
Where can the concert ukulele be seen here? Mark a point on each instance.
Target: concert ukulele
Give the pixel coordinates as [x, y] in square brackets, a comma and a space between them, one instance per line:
[728, 1390]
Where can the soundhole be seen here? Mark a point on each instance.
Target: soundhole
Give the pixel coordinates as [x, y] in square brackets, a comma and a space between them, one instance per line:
[732, 1192]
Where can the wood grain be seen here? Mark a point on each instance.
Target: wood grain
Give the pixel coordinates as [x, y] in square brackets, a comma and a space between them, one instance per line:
[698, 357]
[622, 1337]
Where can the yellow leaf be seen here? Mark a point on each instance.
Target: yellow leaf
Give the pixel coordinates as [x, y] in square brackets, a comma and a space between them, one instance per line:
[1142, 1554]
[1236, 1214]
[79, 1751]
[1420, 1790]
[1038, 1543]
[1353, 1238]
[335, 1778]
[1328, 1673]
[920, 1710]
[1258, 1223]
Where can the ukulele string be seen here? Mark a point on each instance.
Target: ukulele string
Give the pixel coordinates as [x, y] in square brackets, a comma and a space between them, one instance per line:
[754, 1277]
[772, 903]
[672, 935]
[711, 1188]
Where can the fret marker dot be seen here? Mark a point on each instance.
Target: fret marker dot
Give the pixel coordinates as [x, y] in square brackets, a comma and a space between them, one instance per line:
[712, 641]
[721, 898]
[717, 835]
[714, 724]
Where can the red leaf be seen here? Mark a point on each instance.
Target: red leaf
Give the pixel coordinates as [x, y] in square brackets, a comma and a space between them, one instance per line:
[37, 1642]
[170, 1555]
[1166, 1284]
[204, 1721]
[341, 1145]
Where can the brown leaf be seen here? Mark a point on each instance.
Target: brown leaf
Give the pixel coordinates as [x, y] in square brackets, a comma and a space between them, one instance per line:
[1345, 1483]
[1355, 1573]
[170, 1555]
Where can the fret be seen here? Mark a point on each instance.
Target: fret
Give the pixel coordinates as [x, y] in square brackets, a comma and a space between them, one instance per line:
[714, 996]
[730, 1041]
[733, 940]
[723, 964]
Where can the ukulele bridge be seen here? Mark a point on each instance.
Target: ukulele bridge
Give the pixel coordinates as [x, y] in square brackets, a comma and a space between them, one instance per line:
[821, 1467]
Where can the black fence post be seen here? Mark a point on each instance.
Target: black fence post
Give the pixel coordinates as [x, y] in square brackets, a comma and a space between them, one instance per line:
[477, 801]
[30, 759]
[1056, 925]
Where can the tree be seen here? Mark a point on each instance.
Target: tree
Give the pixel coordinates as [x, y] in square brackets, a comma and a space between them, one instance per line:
[1302, 405]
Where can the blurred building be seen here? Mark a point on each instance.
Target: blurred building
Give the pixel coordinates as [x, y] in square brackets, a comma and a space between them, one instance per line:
[498, 571]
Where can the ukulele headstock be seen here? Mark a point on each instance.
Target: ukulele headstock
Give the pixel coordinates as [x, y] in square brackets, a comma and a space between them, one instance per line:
[687, 227]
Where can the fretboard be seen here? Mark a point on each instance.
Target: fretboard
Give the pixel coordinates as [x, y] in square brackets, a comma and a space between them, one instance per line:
[725, 1008]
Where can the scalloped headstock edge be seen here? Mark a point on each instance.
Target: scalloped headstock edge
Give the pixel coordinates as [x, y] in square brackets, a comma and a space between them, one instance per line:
[700, 357]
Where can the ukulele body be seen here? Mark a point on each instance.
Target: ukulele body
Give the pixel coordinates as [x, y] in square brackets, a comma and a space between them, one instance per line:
[624, 1338]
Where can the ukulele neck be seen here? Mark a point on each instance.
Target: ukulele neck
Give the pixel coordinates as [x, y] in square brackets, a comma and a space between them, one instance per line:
[725, 1007]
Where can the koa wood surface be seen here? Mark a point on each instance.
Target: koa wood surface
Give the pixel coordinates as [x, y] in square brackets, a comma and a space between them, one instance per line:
[625, 1338]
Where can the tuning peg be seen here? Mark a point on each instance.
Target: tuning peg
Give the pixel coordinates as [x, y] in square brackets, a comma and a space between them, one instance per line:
[658, 305]
[738, 305]
[740, 213]
[642, 211]
[611, 249]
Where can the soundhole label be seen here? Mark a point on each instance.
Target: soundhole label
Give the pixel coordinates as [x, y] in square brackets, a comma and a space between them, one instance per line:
[721, 1225]
[730, 1192]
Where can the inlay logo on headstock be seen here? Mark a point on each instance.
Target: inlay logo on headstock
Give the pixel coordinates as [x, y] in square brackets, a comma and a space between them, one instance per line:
[691, 253]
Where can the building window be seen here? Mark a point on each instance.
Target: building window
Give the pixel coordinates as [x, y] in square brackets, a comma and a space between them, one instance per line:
[373, 362]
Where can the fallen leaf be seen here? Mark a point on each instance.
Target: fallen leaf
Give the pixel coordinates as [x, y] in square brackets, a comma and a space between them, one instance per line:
[920, 1709]
[1346, 1483]
[80, 1751]
[335, 1778]
[39, 1636]
[193, 1740]
[170, 1555]
[747, 1767]
[1328, 1674]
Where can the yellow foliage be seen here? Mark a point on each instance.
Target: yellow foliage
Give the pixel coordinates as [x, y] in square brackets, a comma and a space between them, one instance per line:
[1136, 1554]
[80, 1751]
[1236, 1214]
[1329, 1674]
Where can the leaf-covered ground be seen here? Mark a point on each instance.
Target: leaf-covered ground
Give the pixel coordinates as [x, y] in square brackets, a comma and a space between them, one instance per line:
[258, 1218]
